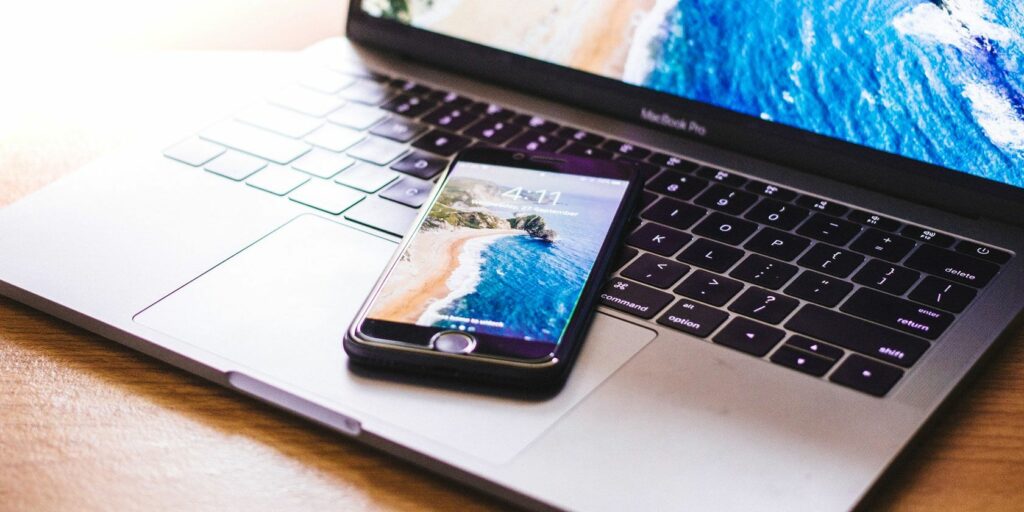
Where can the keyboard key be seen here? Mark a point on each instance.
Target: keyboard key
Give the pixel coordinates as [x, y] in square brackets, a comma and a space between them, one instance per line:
[277, 180]
[377, 150]
[326, 81]
[822, 205]
[723, 177]
[324, 195]
[356, 69]
[450, 118]
[306, 101]
[763, 305]
[801, 361]
[830, 260]
[409, 106]
[829, 229]
[386, 216]
[867, 376]
[953, 266]
[323, 164]
[280, 120]
[536, 141]
[673, 162]
[398, 129]
[625, 254]
[880, 244]
[816, 347]
[768, 190]
[943, 294]
[710, 288]
[711, 255]
[367, 92]
[535, 123]
[726, 199]
[449, 99]
[725, 228]
[676, 184]
[493, 131]
[887, 277]
[676, 214]
[492, 110]
[857, 335]
[874, 220]
[819, 288]
[366, 177]
[920, 234]
[578, 149]
[256, 141]
[409, 191]
[658, 239]
[982, 251]
[442, 143]
[748, 336]
[777, 244]
[693, 318]
[333, 137]
[421, 165]
[655, 271]
[778, 215]
[897, 313]
[634, 298]
[625, 149]
[577, 135]
[234, 165]
[410, 87]
[355, 115]
[763, 271]
[194, 152]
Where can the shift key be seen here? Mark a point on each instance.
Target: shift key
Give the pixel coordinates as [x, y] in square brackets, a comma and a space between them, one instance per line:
[634, 298]
[256, 141]
[858, 335]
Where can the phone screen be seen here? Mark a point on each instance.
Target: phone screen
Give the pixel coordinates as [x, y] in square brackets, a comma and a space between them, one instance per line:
[502, 251]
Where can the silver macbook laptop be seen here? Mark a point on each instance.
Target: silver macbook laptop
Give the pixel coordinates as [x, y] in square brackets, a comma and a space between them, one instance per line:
[829, 241]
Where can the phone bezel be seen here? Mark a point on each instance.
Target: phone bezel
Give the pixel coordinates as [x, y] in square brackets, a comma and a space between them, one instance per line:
[413, 340]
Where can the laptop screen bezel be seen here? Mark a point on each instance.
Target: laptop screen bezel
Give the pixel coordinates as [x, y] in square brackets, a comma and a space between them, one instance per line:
[924, 183]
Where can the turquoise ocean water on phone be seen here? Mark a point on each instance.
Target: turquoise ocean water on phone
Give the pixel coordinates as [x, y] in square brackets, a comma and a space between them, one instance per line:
[532, 285]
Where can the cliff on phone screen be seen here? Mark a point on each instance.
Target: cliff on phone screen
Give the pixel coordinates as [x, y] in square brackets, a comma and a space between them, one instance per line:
[501, 252]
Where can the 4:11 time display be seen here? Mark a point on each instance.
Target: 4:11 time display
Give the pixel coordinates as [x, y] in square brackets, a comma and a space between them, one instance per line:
[519, 193]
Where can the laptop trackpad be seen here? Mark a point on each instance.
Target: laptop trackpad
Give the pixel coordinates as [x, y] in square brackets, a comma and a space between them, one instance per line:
[279, 309]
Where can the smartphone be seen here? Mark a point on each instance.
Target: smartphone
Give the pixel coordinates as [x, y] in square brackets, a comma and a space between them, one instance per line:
[498, 278]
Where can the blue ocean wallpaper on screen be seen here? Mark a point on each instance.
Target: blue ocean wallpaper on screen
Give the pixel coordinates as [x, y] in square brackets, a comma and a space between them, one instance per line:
[940, 81]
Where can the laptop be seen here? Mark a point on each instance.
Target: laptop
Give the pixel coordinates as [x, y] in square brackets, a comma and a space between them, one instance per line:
[829, 240]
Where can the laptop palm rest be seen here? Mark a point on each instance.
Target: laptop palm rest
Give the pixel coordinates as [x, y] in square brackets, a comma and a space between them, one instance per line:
[279, 309]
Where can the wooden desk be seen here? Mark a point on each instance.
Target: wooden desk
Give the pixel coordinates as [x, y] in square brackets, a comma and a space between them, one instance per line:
[86, 424]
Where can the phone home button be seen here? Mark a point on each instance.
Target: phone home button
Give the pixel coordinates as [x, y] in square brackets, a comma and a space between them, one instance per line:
[454, 342]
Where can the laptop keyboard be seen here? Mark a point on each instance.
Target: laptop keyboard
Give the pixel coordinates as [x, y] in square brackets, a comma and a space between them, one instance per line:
[805, 282]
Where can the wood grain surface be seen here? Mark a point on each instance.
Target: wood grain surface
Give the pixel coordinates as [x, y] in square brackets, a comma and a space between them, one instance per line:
[86, 424]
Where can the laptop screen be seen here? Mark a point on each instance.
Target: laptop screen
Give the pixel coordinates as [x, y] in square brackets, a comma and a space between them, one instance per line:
[938, 81]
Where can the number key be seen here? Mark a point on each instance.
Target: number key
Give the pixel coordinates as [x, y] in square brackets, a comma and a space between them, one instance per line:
[726, 199]
[676, 184]
[778, 215]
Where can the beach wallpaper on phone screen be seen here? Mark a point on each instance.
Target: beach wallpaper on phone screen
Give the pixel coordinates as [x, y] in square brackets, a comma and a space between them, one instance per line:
[940, 81]
[502, 251]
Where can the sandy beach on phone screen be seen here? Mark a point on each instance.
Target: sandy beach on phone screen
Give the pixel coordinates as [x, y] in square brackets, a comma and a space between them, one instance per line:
[439, 264]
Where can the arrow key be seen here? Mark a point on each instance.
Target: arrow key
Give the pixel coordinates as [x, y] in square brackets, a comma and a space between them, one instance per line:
[815, 346]
[748, 336]
[655, 271]
[801, 361]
